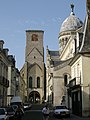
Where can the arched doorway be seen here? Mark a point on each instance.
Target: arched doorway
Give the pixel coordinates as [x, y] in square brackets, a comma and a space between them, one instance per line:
[34, 97]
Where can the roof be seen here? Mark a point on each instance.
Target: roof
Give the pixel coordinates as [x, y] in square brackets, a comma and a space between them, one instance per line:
[85, 46]
[71, 23]
[62, 63]
[54, 53]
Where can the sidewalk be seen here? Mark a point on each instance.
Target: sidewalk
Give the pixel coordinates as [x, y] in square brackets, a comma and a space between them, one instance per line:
[80, 118]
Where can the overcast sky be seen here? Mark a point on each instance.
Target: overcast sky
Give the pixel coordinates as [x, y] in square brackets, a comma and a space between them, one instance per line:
[17, 16]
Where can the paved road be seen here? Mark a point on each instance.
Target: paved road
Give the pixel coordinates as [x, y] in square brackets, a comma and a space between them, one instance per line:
[36, 114]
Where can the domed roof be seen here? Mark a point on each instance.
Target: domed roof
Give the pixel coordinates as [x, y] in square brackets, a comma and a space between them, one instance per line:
[71, 23]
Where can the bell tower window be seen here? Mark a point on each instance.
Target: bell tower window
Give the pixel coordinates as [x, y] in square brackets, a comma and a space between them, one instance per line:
[38, 82]
[30, 82]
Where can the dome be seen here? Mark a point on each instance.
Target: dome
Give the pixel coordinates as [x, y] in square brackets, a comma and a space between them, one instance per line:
[71, 23]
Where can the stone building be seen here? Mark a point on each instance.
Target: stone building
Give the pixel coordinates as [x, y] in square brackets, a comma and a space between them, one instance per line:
[23, 77]
[33, 69]
[68, 69]
[4, 82]
[7, 75]
[20, 86]
[10, 82]
[11, 91]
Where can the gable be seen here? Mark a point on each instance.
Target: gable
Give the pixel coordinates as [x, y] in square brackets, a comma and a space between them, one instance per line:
[35, 51]
[35, 69]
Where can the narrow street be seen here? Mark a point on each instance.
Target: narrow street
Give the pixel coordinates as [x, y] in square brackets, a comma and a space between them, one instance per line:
[36, 114]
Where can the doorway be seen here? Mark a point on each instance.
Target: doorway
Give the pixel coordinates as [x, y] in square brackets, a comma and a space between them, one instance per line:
[34, 97]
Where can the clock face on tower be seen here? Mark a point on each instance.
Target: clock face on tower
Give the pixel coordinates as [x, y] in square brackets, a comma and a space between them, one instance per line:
[34, 37]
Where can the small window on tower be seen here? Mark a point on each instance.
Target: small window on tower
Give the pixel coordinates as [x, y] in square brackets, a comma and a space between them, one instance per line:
[34, 37]
[38, 82]
[30, 82]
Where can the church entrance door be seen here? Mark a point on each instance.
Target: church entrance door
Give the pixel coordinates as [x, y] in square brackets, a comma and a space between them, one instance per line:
[34, 97]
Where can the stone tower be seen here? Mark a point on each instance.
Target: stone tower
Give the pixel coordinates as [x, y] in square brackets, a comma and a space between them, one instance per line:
[34, 60]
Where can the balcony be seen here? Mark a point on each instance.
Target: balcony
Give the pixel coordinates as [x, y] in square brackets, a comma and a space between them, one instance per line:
[74, 82]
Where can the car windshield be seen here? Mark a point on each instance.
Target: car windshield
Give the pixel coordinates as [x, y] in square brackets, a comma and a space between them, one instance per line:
[61, 107]
[2, 112]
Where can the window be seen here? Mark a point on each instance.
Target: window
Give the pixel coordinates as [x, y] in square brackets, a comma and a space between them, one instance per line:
[38, 82]
[34, 37]
[75, 45]
[65, 80]
[30, 82]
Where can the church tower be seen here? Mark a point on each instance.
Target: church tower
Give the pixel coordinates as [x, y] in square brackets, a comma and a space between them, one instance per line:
[34, 60]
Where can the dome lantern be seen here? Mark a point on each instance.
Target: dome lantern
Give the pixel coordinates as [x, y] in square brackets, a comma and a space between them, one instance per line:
[71, 23]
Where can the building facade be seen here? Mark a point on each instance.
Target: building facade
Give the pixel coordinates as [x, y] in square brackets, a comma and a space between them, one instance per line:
[11, 91]
[4, 82]
[68, 69]
[10, 82]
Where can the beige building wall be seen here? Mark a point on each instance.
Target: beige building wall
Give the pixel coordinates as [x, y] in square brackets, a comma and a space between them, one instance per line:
[58, 83]
[76, 71]
[80, 70]
[86, 86]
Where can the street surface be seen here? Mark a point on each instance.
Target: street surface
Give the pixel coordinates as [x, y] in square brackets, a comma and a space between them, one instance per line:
[36, 114]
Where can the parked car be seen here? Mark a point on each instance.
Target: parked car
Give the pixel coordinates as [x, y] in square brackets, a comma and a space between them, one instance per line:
[3, 114]
[26, 106]
[61, 111]
[10, 112]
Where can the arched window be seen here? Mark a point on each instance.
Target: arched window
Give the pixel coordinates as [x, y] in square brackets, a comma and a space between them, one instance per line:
[30, 82]
[38, 82]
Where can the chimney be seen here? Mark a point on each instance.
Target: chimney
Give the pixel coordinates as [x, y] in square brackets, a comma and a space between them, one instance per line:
[1, 44]
[6, 51]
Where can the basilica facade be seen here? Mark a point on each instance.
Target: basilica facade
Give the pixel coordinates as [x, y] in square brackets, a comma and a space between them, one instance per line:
[67, 70]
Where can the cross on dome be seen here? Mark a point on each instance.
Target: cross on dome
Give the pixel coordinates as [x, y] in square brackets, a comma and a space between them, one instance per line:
[72, 9]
